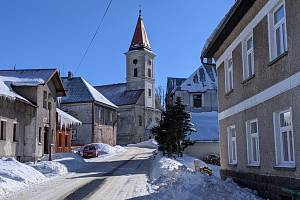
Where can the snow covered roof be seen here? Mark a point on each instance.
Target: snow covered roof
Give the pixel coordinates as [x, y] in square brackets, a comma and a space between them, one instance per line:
[203, 79]
[6, 83]
[118, 94]
[173, 83]
[66, 120]
[28, 77]
[206, 125]
[79, 90]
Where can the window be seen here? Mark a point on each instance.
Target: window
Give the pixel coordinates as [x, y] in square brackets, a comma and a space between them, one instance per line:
[197, 100]
[248, 57]
[149, 72]
[66, 140]
[135, 72]
[277, 31]
[15, 132]
[74, 134]
[110, 116]
[40, 135]
[232, 154]
[100, 114]
[252, 142]
[149, 93]
[228, 76]
[59, 140]
[3, 130]
[45, 99]
[140, 120]
[284, 138]
[135, 61]
[149, 62]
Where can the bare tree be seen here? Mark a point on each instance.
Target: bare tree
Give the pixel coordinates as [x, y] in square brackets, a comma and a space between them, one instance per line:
[160, 94]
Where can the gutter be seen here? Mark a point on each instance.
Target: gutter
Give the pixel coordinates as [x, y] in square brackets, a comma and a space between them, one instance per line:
[209, 64]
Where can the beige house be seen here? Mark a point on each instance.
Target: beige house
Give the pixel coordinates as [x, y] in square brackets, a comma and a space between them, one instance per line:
[256, 49]
[28, 112]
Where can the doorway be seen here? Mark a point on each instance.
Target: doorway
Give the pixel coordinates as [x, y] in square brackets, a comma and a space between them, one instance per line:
[46, 140]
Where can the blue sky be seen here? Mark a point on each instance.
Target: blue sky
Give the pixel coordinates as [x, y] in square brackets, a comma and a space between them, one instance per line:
[55, 33]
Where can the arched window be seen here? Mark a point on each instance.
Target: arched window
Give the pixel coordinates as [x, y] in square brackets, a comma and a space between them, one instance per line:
[135, 72]
[149, 72]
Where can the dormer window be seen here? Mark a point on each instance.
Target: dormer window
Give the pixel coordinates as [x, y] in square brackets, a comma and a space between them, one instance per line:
[135, 72]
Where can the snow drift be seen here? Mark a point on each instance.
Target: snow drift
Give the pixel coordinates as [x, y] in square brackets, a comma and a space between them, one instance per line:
[15, 175]
[171, 179]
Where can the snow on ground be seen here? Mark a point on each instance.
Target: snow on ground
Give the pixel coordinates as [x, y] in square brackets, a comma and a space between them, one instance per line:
[107, 149]
[15, 175]
[50, 168]
[151, 144]
[172, 179]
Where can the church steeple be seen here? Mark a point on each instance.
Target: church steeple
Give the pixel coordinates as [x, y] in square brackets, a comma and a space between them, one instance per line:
[140, 40]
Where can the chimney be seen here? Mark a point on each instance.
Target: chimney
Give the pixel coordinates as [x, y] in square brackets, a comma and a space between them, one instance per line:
[70, 75]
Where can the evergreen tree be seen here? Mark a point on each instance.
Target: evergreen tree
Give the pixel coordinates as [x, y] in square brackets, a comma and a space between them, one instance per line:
[173, 129]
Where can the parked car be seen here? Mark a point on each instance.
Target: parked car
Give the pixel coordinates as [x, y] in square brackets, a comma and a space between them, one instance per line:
[90, 151]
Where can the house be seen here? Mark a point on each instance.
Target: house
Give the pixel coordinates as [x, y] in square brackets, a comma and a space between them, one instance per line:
[28, 112]
[256, 50]
[64, 124]
[198, 93]
[97, 114]
[137, 104]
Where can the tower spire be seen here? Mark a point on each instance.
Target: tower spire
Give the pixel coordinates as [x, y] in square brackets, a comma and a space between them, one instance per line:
[140, 39]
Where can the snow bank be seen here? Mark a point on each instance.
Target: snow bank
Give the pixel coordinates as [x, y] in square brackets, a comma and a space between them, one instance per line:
[107, 149]
[151, 144]
[50, 168]
[171, 179]
[71, 161]
[15, 175]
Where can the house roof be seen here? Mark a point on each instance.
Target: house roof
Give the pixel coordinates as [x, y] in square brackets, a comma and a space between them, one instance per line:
[65, 119]
[140, 38]
[173, 83]
[225, 27]
[79, 90]
[203, 79]
[29, 77]
[118, 94]
[206, 125]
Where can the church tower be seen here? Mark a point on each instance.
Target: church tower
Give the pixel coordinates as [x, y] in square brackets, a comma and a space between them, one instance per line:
[139, 64]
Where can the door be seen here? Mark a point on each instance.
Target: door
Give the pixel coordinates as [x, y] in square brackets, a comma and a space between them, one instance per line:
[46, 140]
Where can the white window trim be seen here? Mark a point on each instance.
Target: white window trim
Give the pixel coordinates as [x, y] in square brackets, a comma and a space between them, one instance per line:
[271, 31]
[227, 84]
[233, 162]
[249, 150]
[278, 149]
[245, 53]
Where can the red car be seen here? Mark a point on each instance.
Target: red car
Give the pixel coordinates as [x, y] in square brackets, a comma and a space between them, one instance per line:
[90, 151]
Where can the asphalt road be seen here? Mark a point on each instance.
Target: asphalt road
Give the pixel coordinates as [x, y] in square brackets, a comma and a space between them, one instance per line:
[123, 176]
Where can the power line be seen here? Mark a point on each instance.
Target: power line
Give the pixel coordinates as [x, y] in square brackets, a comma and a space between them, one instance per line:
[94, 36]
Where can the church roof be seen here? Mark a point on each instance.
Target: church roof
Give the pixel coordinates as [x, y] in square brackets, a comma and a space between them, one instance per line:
[140, 39]
[79, 91]
[118, 94]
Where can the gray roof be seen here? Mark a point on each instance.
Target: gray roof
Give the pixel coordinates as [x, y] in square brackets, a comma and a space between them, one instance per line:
[118, 94]
[79, 90]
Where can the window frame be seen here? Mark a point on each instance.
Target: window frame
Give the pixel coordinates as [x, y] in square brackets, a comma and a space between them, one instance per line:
[229, 86]
[3, 131]
[249, 138]
[230, 140]
[278, 130]
[272, 27]
[201, 99]
[246, 52]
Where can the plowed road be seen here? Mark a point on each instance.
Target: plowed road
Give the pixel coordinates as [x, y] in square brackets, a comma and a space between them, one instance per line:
[123, 176]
